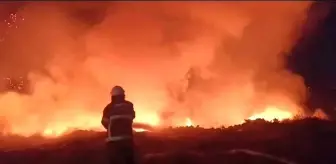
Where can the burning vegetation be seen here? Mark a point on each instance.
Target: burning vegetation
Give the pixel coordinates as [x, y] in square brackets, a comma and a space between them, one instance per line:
[181, 63]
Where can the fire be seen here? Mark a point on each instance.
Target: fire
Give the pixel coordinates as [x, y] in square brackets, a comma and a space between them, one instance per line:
[140, 130]
[89, 121]
[54, 132]
[272, 113]
[92, 122]
[71, 75]
[189, 122]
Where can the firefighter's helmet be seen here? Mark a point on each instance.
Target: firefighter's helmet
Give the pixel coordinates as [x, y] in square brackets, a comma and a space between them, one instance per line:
[117, 91]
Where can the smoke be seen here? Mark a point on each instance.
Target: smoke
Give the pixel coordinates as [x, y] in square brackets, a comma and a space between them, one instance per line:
[73, 53]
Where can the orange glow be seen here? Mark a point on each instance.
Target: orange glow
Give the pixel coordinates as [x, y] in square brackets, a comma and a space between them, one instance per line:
[272, 113]
[140, 130]
[188, 122]
[88, 122]
[269, 114]
[54, 132]
[147, 48]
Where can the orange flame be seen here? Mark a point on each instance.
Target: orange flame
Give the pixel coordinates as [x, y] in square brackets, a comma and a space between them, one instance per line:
[93, 123]
[188, 122]
[272, 113]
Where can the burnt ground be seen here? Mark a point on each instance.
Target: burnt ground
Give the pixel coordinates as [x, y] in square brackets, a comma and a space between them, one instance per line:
[308, 141]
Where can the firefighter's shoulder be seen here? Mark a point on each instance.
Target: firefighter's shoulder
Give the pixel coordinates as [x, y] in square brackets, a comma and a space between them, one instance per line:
[129, 103]
[108, 106]
[125, 104]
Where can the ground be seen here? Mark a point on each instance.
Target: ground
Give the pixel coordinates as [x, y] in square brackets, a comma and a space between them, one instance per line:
[308, 141]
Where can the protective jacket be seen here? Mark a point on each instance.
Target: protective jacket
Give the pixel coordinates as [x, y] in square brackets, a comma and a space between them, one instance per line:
[118, 119]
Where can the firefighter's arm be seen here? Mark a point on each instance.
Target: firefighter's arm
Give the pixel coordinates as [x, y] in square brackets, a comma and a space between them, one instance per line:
[105, 119]
[133, 112]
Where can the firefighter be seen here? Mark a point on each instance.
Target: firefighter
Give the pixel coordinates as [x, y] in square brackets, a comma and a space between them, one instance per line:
[118, 119]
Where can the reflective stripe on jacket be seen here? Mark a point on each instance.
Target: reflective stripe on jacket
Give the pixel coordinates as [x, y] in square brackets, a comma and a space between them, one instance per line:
[120, 119]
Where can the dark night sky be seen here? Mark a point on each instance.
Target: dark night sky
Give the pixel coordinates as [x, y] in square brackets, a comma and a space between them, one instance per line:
[314, 58]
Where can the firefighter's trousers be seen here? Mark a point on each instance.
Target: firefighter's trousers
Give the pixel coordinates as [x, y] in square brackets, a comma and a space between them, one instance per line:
[121, 152]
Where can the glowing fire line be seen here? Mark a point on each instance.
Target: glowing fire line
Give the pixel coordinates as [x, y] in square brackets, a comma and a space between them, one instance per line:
[272, 113]
[269, 114]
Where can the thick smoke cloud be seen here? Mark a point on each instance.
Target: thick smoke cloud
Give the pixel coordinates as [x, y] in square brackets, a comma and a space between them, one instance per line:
[74, 53]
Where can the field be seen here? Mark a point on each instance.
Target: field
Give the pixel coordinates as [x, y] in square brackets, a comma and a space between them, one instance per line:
[307, 141]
